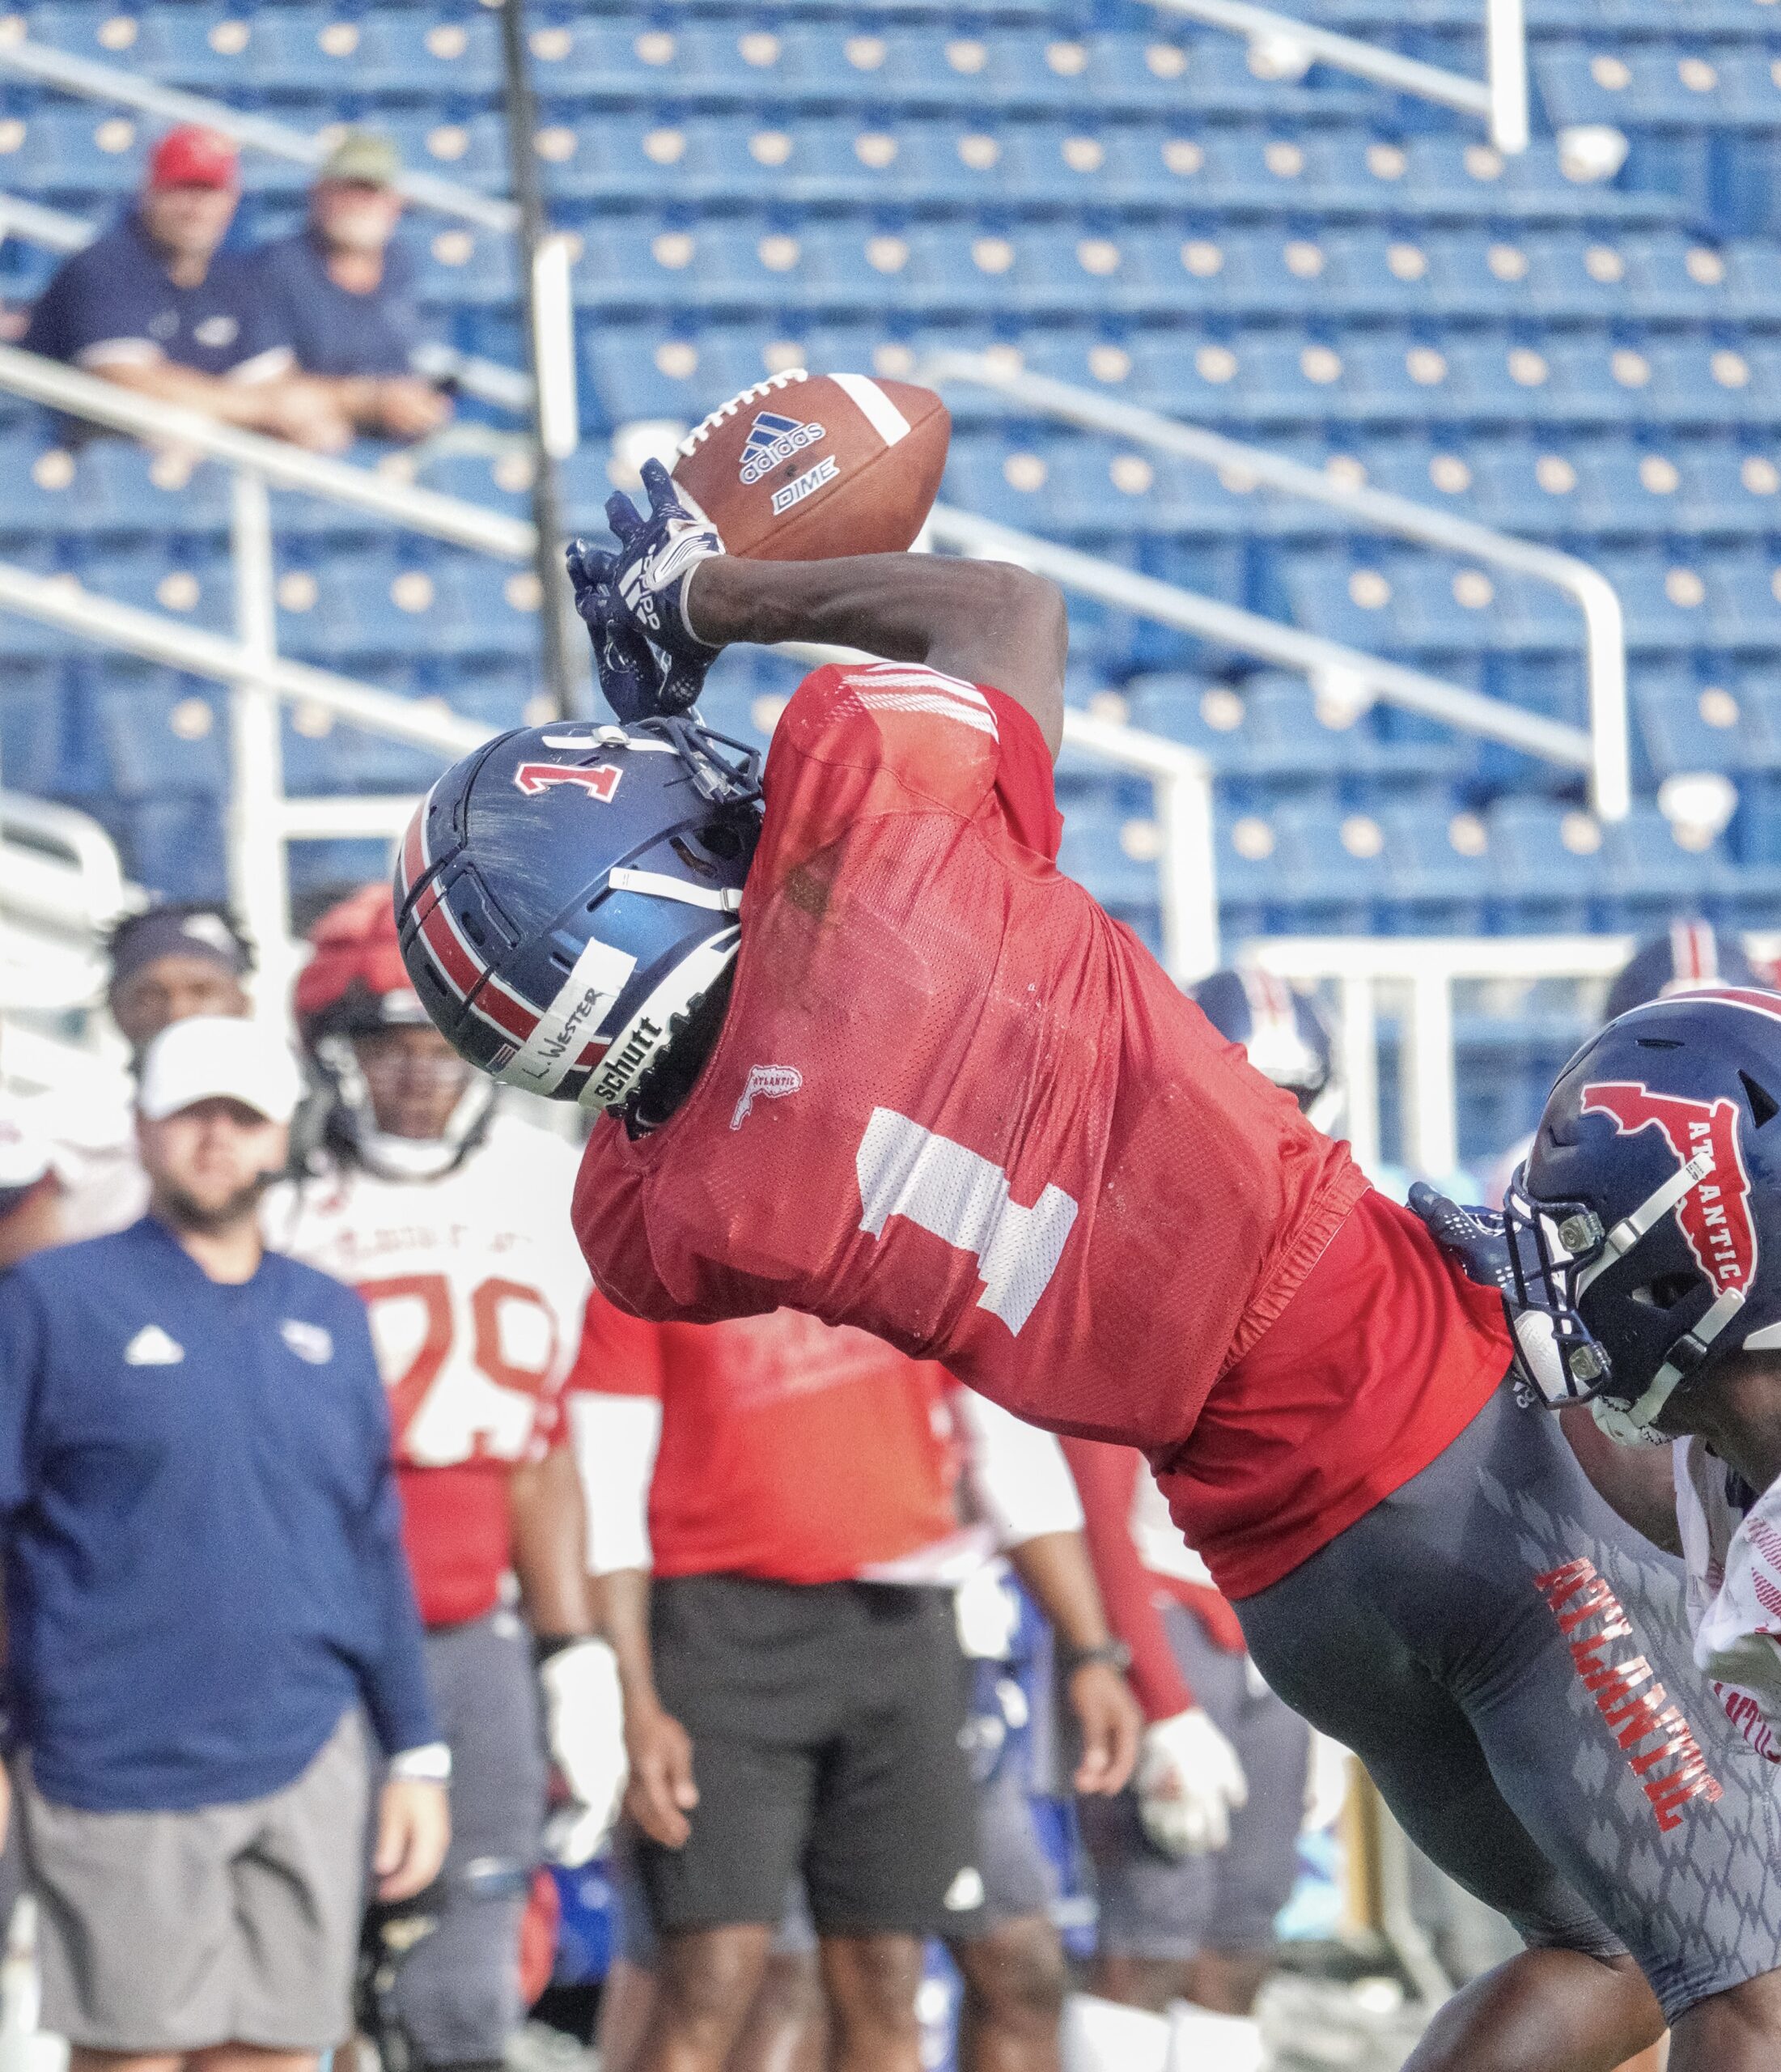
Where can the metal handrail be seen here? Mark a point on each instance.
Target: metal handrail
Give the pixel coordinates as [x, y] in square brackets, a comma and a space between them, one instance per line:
[1428, 966]
[57, 600]
[86, 78]
[89, 396]
[1604, 637]
[52, 228]
[1500, 97]
[1182, 777]
[1309, 654]
[42, 891]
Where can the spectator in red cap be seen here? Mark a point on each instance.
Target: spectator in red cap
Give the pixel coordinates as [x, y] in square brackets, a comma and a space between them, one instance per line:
[155, 306]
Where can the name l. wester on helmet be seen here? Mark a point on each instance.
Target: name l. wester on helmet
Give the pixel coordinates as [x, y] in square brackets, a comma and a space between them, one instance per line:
[566, 897]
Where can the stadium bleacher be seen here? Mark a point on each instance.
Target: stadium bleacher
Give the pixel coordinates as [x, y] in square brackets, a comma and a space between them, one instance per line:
[1108, 194]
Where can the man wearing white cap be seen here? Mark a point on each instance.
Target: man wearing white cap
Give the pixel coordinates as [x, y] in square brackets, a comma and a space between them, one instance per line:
[204, 1589]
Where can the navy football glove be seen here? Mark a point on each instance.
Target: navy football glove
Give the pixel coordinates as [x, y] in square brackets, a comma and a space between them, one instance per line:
[1477, 1237]
[649, 660]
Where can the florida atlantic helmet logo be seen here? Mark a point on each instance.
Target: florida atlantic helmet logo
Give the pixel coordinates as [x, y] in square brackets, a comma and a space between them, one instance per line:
[599, 782]
[1714, 1213]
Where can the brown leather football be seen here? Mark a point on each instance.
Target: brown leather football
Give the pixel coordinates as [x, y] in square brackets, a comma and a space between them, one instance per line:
[808, 467]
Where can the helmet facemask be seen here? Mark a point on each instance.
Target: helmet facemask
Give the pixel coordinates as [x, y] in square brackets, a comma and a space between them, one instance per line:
[1557, 1251]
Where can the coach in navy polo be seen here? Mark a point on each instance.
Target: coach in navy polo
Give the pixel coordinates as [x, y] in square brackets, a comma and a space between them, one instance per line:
[204, 1589]
[156, 305]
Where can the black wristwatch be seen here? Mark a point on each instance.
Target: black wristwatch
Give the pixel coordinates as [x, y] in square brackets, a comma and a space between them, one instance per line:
[1115, 1653]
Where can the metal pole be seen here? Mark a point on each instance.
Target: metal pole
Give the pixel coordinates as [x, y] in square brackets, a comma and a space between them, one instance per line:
[1190, 897]
[565, 652]
[1360, 1068]
[1506, 72]
[1432, 1140]
[258, 886]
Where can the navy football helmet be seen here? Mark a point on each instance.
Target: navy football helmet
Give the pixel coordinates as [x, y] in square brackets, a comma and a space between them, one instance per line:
[1688, 955]
[567, 897]
[1643, 1235]
[1286, 1038]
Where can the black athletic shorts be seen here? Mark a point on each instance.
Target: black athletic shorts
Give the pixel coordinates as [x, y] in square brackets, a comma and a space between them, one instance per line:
[1512, 1664]
[827, 1723]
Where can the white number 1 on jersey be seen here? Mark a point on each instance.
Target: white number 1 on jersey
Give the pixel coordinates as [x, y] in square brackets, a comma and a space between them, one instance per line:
[959, 1197]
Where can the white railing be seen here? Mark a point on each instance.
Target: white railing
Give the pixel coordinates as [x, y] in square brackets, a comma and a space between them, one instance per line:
[1604, 752]
[61, 887]
[262, 820]
[1422, 972]
[1283, 45]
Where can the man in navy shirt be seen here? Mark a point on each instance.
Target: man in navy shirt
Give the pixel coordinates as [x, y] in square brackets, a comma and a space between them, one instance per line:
[156, 305]
[340, 293]
[204, 1585]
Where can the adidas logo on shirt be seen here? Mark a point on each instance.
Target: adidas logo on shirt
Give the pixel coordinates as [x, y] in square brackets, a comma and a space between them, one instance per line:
[310, 1342]
[152, 1348]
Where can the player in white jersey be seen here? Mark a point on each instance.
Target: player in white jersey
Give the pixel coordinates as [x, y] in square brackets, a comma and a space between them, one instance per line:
[453, 1221]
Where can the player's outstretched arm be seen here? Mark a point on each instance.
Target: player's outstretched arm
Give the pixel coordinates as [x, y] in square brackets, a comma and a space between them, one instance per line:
[984, 620]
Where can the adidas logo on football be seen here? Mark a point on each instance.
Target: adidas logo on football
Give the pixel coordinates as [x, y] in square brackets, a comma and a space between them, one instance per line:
[152, 1348]
[774, 439]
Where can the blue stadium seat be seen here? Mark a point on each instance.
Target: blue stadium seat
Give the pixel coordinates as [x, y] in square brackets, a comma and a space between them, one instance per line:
[349, 607]
[1102, 851]
[175, 845]
[1440, 873]
[460, 264]
[470, 150]
[322, 756]
[31, 725]
[445, 53]
[163, 733]
[1684, 726]
[1652, 875]
[1212, 718]
[86, 154]
[1731, 489]
[1333, 869]
[191, 584]
[1745, 593]
[301, 50]
[208, 47]
[1546, 862]
[1665, 597]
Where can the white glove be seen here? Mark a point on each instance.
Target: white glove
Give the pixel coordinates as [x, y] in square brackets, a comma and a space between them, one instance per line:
[584, 1724]
[1189, 1781]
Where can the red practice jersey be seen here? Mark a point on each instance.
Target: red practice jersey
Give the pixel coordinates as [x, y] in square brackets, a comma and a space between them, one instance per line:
[787, 1451]
[955, 1105]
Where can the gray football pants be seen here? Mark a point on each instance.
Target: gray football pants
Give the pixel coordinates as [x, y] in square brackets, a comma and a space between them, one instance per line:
[456, 1994]
[1512, 1664]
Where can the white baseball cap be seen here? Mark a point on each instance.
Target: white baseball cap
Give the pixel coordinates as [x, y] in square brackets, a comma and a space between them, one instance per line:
[213, 1057]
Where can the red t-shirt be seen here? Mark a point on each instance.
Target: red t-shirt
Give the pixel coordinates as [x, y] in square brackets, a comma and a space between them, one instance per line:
[788, 1450]
[955, 1105]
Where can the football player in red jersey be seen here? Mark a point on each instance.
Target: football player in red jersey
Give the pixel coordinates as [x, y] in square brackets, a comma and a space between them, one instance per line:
[927, 1087]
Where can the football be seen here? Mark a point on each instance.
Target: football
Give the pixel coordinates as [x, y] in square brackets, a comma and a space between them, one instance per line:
[808, 467]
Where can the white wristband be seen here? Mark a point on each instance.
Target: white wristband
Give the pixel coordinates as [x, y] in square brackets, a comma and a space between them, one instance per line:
[430, 1764]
